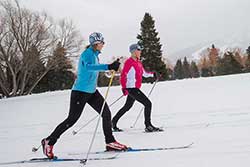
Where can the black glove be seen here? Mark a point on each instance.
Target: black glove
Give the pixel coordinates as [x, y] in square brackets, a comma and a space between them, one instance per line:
[114, 66]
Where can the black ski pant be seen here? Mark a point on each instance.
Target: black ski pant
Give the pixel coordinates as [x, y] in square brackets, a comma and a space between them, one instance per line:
[77, 102]
[135, 94]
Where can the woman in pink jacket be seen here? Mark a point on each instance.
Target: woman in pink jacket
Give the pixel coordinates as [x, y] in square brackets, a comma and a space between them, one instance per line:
[131, 79]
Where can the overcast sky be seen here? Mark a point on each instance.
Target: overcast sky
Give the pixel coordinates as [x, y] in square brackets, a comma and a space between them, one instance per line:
[180, 23]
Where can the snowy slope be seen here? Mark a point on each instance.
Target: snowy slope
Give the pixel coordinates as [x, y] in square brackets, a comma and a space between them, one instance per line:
[214, 113]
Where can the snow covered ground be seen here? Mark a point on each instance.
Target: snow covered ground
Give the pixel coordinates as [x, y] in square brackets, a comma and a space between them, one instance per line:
[214, 113]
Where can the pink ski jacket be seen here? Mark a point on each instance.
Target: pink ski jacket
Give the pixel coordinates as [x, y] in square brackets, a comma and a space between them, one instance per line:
[132, 72]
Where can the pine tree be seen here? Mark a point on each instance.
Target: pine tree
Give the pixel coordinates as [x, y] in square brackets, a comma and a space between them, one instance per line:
[60, 76]
[205, 72]
[194, 70]
[205, 68]
[229, 65]
[59, 55]
[38, 69]
[178, 70]
[151, 54]
[186, 69]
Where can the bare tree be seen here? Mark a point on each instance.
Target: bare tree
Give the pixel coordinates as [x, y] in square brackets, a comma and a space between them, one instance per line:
[27, 39]
[68, 37]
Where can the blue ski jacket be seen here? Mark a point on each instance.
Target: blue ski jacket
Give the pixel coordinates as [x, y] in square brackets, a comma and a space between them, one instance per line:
[88, 71]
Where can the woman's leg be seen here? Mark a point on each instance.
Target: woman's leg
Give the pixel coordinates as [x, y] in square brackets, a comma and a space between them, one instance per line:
[138, 95]
[96, 102]
[77, 103]
[128, 104]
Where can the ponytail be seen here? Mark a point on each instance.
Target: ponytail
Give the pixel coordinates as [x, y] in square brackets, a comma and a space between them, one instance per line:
[94, 46]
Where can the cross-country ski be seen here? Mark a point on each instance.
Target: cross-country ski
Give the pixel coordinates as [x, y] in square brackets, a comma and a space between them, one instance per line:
[46, 160]
[131, 150]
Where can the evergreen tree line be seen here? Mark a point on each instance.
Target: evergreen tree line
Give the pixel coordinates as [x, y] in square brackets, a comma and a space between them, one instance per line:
[185, 70]
[226, 65]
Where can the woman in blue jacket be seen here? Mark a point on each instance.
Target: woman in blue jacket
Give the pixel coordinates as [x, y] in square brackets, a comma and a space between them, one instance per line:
[84, 91]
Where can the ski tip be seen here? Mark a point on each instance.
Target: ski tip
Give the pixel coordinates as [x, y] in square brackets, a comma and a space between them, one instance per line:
[55, 158]
[129, 149]
[189, 145]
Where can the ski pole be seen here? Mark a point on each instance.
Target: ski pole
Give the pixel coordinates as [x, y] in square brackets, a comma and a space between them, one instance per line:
[84, 160]
[116, 100]
[143, 107]
[76, 131]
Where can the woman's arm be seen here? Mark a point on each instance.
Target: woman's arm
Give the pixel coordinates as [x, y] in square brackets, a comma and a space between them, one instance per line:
[147, 74]
[89, 63]
[96, 67]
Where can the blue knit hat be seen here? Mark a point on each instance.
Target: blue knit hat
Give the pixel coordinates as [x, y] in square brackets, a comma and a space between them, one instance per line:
[134, 47]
